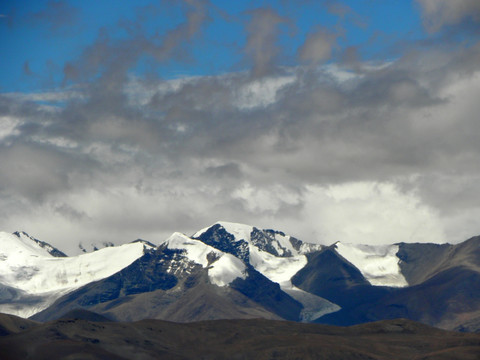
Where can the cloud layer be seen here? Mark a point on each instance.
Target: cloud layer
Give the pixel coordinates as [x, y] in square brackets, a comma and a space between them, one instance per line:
[380, 152]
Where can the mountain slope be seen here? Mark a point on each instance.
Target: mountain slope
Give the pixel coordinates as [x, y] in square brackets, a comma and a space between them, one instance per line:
[209, 283]
[272, 253]
[419, 262]
[33, 274]
[446, 293]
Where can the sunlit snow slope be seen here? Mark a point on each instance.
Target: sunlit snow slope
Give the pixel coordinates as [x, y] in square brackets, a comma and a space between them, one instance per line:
[378, 264]
[31, 275]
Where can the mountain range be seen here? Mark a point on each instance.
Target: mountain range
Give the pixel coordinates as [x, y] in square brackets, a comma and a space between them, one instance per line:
[236, 271]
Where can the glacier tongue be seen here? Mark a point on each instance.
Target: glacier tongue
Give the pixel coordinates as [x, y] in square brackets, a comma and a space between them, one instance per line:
[378, 264]
[313, 306]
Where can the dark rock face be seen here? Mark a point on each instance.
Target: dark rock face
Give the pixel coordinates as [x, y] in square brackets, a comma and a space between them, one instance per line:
[217, 237]
[297, 244]
[263, 239]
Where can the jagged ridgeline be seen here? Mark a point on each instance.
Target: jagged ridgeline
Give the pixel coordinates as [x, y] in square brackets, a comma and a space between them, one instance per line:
[235, 271]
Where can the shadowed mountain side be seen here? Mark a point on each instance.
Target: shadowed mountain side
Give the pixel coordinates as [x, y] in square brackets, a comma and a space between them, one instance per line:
[330, 276]
[202, 302]
[419, 262]
[445, 300]
[239, 339]
[442, 300]
[268, 294]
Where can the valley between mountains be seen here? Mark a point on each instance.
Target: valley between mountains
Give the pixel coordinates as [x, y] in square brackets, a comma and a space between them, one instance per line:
[235, 271]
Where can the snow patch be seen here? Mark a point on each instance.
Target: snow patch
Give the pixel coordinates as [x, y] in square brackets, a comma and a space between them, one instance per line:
[378, 264]
[277, 269]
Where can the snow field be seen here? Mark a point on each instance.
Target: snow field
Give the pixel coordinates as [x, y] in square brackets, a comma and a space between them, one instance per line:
[378, 264]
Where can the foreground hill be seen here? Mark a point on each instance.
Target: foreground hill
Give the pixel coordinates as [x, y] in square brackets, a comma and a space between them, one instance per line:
[72, 338]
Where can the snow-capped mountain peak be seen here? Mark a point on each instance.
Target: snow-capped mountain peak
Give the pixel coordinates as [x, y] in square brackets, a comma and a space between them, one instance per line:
[223, 268]
[274, 254]
[239, 239]
[240, 231]
[30, 273]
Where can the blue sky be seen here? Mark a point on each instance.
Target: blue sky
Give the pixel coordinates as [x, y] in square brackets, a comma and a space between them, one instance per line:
[329, 120]
[41, 37]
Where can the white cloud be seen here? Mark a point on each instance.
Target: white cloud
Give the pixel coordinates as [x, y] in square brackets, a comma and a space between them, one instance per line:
[370, 213]
[8, 127]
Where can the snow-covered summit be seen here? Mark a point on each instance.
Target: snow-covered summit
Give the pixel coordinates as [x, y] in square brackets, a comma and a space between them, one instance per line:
[26, 243]
[223, 268]
[274, 242]
[240, 231]
[29, 269]
[273, 253]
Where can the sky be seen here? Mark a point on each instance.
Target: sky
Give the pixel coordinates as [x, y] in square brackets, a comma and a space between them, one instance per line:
[354, 121]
